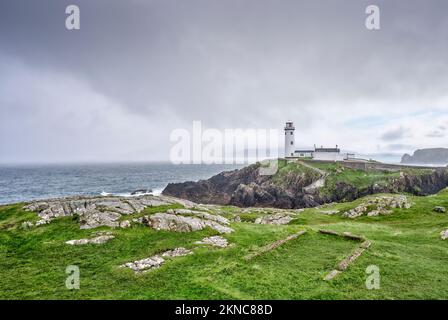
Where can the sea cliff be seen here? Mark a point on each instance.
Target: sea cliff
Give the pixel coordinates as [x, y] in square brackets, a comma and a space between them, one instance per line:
[308, 183]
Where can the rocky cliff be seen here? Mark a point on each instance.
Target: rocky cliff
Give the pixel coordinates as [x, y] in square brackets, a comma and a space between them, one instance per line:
[427, 156]
[299, 185]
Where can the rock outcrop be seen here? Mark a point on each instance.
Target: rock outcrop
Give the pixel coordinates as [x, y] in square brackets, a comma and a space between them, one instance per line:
[145, 264]
[178, 223]
[216, 241]
[377, 206]
[200, 214]
[277, 218]
[246, 187]
[97, 240]
[97, 211]
[108, 211]
[155, 261]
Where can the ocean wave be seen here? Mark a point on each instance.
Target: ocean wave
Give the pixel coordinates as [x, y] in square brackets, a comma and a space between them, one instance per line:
[155, 192]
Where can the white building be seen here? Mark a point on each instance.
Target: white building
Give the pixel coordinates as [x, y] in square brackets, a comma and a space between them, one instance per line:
[289, 139]
[329, 154]
[323, 154]
[304, 153]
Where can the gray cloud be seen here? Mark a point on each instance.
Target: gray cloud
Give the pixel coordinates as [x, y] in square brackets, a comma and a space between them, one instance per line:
[395, 134]
[237, 63]
[436, 134]
[399, 147]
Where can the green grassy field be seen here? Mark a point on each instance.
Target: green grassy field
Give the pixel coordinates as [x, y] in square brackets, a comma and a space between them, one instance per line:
[406, 246]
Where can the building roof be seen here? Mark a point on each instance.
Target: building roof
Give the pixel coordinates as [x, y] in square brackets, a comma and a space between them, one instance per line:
[304, 150]
[328, 150]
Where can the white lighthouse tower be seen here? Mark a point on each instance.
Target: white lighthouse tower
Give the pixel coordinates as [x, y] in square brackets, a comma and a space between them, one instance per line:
[289, 139]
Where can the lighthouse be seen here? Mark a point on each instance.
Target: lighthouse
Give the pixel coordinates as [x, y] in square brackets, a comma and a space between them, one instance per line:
[289, 139]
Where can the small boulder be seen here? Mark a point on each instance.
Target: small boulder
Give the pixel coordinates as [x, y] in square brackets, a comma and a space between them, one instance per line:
[125, 224]
[155, 261]
[216, 241]
[97, 240]
[145, 264]
[277, 218]
[439, 209]
[237, 219]
[178, 252]
[27, 225]
[42, 221]
[444, 234]
[380, 205]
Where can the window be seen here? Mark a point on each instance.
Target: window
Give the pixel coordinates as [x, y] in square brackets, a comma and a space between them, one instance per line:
[292, 154]
[291, 132]
[291, 142]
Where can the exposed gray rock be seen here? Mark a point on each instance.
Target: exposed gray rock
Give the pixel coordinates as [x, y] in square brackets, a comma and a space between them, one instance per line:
[199, 214]
[97, 211]
[218, 227]
[178, 223]
[380, 205]
[277, 218]
[216, 241]
[155, 261]
[178, 252]
[42, 221]
[145, 264]
[115, 205]
[97, 240]
[439, 209]
[96, 219]
[184, 202]
[172, 222]
[27, 225]
[444, 234]
[125, 224]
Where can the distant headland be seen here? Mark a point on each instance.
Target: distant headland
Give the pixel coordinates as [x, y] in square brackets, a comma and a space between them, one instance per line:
[427, 156]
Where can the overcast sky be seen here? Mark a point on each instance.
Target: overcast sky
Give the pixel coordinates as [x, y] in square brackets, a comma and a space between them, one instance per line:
[115, 89]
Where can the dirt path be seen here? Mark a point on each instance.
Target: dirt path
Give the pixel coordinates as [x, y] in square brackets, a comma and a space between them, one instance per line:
[319, 183]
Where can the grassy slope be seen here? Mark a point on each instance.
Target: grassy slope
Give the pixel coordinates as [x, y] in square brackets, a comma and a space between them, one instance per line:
[406, 246]
[358, 178]
[286, 169]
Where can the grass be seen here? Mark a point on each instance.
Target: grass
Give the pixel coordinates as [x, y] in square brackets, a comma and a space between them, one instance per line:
[360, 179]
[406, 246]
[288, 171]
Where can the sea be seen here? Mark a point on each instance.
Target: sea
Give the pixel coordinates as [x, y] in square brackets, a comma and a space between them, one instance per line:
[20, 183]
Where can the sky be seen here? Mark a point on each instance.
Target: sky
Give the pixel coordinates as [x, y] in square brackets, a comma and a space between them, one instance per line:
[136, 70]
